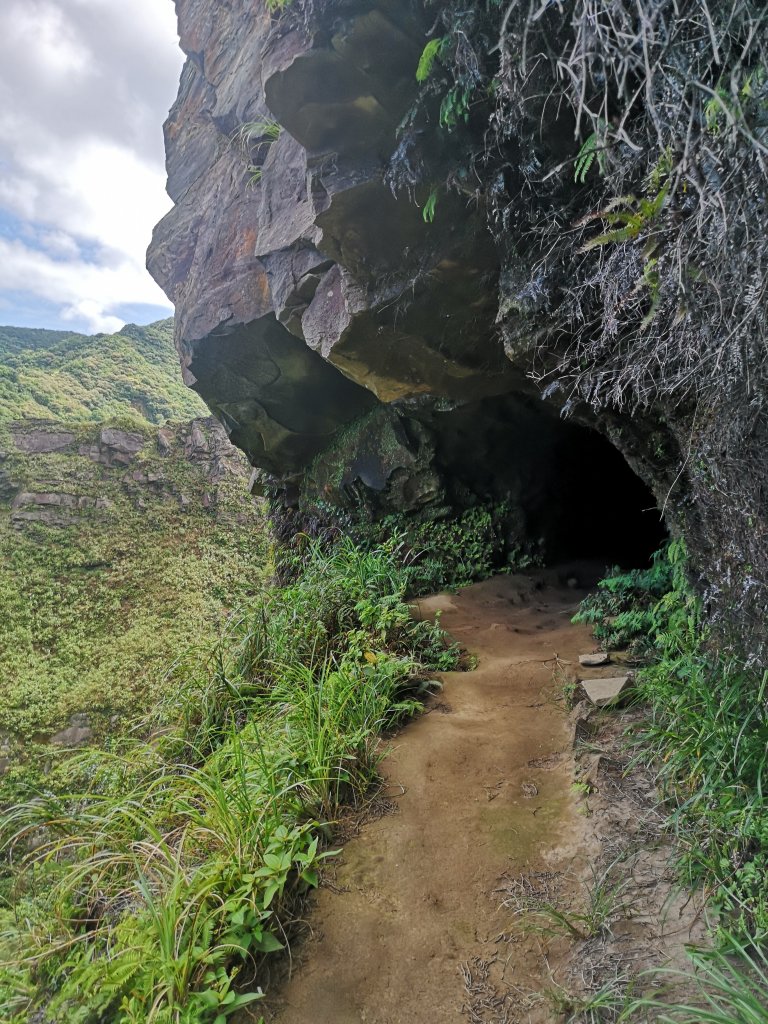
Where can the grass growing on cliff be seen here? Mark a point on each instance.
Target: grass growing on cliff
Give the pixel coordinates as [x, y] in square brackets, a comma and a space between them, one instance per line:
[707, 730]
[149, 881]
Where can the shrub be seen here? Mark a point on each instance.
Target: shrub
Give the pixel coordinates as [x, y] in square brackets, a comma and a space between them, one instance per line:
[707, 728]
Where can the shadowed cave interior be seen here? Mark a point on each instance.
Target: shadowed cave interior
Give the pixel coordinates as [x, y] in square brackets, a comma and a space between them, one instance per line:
[575, 493]
[570, 494]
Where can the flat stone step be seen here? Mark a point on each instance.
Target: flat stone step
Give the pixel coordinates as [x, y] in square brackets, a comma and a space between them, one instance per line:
[604, 692]
[595, 660]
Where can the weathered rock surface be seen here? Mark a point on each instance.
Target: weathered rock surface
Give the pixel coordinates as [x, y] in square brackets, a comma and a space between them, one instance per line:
[35, 441]
[307, 300]
[347, 340]
[49, 508]
[77, 734]
[114, 447]
[353, 343]
[594, 660]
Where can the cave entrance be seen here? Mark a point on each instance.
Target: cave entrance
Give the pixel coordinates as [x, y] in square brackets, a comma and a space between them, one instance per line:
[608, 513]
[571, 492]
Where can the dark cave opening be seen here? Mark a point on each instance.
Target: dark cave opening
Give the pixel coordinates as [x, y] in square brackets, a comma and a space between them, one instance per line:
[572, 491]
[607, 512]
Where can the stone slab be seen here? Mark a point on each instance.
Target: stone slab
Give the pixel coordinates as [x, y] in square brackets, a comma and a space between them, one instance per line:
[594, 660]
[604, 692]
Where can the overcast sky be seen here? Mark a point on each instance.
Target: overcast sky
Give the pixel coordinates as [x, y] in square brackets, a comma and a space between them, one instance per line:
[85, 86]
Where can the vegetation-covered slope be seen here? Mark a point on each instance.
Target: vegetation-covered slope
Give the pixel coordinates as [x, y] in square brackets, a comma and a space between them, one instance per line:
[52, 374]
[124, 542]
[111, 572]
[154, 892]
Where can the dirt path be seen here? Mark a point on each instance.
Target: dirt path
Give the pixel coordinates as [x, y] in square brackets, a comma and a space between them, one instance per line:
[482, 785]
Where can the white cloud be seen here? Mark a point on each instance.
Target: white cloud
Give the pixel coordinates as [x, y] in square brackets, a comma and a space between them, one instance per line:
[97, 320]
[84, 290]
[52, 45]
[84, 88]
[59, 243]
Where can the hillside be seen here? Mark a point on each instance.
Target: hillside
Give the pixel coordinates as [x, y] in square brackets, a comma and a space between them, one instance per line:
[52, 374]
[126, 524]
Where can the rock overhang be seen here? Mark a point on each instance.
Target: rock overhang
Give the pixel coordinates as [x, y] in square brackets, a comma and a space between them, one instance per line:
[314, 294]
[344, 333]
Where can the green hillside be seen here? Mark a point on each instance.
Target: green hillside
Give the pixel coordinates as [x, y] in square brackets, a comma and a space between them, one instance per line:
[126, 526]
[111, 573]
[55, 375]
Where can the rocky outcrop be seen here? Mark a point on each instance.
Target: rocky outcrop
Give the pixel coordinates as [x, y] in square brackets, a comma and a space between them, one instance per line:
[345, 336]
[114, 447]
[53, 509]
[313, 296]
[60, 478]
[34, 441]
[365, 300]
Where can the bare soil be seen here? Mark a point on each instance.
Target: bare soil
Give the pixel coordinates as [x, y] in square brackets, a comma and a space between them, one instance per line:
[427, 918]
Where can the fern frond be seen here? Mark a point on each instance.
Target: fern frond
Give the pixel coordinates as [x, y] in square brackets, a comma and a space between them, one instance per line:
[429, 55]
[428, 213]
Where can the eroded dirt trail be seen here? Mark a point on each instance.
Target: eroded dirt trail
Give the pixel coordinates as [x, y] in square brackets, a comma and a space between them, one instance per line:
[482, 785]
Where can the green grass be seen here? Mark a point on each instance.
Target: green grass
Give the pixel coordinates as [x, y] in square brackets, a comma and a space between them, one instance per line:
[146, 883]
[729, 986]
[706, 731]
[95, 612]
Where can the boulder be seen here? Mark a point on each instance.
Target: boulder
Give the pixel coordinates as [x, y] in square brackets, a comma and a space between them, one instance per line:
[77, 733]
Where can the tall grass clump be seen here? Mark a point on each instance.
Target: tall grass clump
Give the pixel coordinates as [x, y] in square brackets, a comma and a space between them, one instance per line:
[728, 986]
[707, 730]
[150, 883]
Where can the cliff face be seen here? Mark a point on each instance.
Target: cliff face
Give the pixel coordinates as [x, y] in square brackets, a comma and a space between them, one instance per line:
[370, 272]
[313, 296]
[345, 334]
[60, 475]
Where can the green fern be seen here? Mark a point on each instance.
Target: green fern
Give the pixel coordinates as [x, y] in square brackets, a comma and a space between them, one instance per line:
[586, 157]
[429, 55]
[651, 280]
[627, 217]
[455, 107]
[621, 611]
